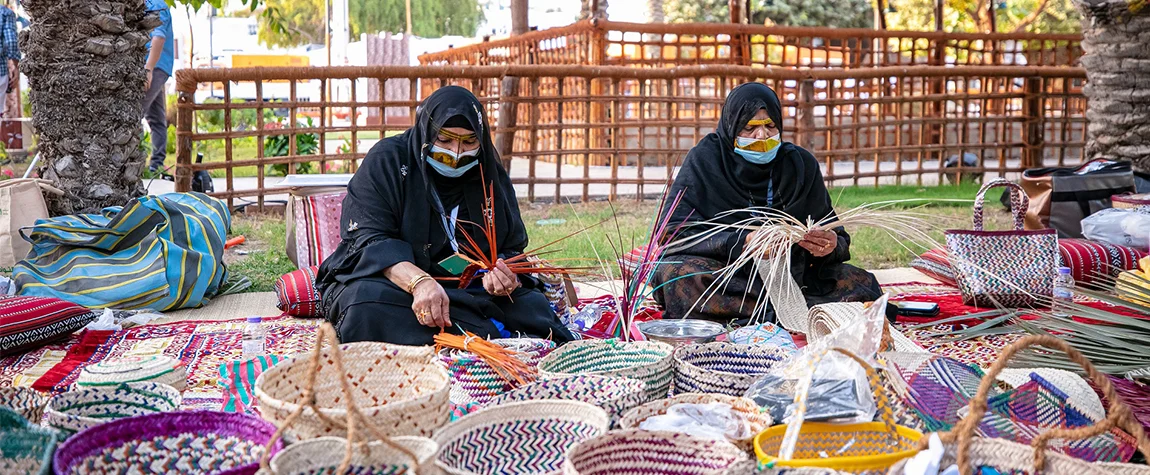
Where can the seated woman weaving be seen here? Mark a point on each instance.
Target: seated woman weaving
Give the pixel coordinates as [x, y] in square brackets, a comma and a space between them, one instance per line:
[744, 163]
[403, 219]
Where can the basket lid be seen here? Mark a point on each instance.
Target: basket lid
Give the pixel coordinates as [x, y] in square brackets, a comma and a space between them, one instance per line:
[127, 370]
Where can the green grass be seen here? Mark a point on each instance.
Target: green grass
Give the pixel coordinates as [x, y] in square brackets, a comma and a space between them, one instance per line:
[871, 249]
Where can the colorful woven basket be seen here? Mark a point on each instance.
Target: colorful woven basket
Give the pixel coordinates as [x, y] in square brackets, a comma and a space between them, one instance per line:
[318, 456]
[135, 369]
[26, 402]
[399, 388]
[475, 381]
[723, 368]
[77, 410]
[646, 361]
[642, 452]
[25, 447]
[758, 419]
[190, 442]
[517, 438]
[614, 395]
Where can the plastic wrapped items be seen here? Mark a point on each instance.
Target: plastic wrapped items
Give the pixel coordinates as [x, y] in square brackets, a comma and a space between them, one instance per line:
[1120, 227]
[708, 421]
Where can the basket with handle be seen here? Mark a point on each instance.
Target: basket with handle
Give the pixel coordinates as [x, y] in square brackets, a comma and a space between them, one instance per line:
[646, 361]
[641, 452]
[529, 437]
[756, 417]
[867, 447]
[723, 367]
[475, 381]
[399, 388]
[614, 395]
[77, 410]
[969, 452]
[378, 452]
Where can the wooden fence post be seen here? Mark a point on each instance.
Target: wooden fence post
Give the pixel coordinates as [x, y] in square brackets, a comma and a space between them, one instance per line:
[1034, 130]
[184, 116]
[806, 112]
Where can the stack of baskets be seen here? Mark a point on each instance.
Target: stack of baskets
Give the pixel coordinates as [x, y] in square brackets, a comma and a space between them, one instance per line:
[614, 395]
[75, 411]
[757, 419]
[474, 381]
[135, 369]
[646, 361]
[723, 368]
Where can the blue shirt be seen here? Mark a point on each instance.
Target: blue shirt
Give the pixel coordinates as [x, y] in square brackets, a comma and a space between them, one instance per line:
[9, 49]
[168, 54]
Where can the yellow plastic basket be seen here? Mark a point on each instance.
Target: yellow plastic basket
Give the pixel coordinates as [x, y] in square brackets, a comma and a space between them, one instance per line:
[854, 448]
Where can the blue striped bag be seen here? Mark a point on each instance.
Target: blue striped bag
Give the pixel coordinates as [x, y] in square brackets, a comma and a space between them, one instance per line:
[159, 252]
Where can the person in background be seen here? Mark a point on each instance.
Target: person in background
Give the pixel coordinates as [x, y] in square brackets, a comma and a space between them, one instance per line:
[161, 59]
[10, 50]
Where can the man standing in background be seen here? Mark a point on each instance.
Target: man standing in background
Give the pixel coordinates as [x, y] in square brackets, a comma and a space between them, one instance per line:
[161, 59]
[10, 50]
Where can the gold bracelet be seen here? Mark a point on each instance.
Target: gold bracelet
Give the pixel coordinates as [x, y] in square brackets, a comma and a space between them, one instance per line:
[416, 281]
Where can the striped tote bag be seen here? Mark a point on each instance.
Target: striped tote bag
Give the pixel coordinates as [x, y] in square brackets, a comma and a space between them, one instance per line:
[159, 252]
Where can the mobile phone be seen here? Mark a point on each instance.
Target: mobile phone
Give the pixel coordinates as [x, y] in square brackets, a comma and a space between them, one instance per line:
[917, 309]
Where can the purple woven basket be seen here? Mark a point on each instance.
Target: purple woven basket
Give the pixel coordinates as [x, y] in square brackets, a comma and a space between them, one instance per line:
[102, 440]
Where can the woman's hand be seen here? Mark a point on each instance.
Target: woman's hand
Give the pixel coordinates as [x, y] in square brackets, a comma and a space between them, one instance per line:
[431, 304]
[500, 281]
[820, 242]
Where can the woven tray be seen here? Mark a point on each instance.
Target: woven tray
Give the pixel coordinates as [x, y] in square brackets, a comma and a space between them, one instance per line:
[75, 411]
[647, 452]
[646, 361]
[318, 456]
[758, 419]
[175, 442]
[475, 381]
[517, 438]
[614, 395]
[400, 388]
[723, 368]
[135, 369]
[26, 402]
[25, 447]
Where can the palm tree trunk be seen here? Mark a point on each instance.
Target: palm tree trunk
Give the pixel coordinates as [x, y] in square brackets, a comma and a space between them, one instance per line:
[84, 62]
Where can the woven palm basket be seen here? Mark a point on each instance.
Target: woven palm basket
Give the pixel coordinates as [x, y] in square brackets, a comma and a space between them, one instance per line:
[758, 419]
[826, 318]
[475, 381]
[318, 456]
[641, 452]
[723, 368]
[25, 447]
[26, 402]
[399, 388]
[135, 369]
[77, 410]
[646, 361]
[529, 437]
[614, 395]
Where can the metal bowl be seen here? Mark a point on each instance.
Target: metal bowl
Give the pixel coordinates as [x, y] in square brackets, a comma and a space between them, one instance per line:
[681, 332]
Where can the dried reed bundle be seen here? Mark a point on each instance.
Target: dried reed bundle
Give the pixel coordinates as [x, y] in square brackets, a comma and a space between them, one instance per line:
[505, 362]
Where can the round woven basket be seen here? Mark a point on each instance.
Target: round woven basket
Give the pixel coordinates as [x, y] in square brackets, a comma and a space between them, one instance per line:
[135, 369]
[189, 442]
[758, 419]
[399, 388]
[641, 452]
[77, 410]
[723, 368]
[26, 402]
[25, 447]
[614, 395]
[475, 381]
[1130, 201]
[319, 456]
[646, 361]
[826, 318]
[529, 437]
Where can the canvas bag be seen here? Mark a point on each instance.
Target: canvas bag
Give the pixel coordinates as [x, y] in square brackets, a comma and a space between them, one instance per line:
[312, 217]
[1062, 197]
[21, 204]
[993, 268]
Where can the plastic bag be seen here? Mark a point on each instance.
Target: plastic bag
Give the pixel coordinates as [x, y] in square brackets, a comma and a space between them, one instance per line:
[708, 421]
[1120, 227]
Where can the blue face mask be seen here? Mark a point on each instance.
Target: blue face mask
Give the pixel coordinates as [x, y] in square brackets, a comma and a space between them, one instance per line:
[745, 147]
[447, 171]
[440, 157]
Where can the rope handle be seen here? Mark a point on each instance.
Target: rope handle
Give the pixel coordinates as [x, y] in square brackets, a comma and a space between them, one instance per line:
[882, 401]
[45, 185]
[327, 332]
[1118, 414]
[1019, 203]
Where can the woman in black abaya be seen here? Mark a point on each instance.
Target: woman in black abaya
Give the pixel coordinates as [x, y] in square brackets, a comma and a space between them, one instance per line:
[745, 163]
[402, 220]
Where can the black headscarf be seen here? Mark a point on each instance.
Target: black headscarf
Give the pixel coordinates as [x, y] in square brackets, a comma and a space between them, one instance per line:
[715, 179]
[391, 213]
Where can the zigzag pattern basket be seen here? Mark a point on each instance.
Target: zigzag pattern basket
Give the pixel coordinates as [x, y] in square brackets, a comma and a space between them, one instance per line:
[722, 367]
[400, 388]
[75, 411]
[25, 447]
[26, 402]
[318, 456]
[517, 438]
[646, 361]
[475, 381]
[640, 452]
[758, 419]
[614, 395]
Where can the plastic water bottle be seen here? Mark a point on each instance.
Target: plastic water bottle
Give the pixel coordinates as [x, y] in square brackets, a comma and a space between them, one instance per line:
[1063, 291]
[253, 340]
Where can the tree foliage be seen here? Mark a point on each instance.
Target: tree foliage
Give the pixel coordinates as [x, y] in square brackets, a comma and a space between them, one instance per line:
[302, 20]
[1037, 16]
[830, 13]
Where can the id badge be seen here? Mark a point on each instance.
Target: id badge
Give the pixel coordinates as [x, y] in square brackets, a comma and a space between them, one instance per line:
[456, 264]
